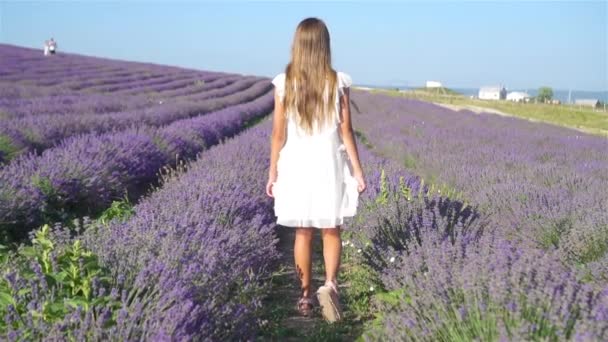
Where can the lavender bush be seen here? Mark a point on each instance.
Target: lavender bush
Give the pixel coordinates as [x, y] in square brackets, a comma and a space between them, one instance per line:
[440, 272]
[43, 283]
[487, 289]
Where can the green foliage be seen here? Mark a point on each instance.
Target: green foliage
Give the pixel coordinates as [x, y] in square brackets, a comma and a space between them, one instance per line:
[545, 94]
[343, 330]
[363, 139]
[7, 149]
[363, 281]
[468, 317]
[409, 162]
[65, 278]
[254, 121]
[383, 196]
[44, 185]
[551, 235]
[119, 210]
[405, 190]
[594, 248]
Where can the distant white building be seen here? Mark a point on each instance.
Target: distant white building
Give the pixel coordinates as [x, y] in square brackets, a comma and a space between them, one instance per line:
[433, 84]
[518, 96]
[594, 103]
[492, 93]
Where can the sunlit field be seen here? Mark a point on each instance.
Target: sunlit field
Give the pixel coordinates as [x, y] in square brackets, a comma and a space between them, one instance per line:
[132, 207]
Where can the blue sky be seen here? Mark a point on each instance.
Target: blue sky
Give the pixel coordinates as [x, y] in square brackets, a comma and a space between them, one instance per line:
[462, 44]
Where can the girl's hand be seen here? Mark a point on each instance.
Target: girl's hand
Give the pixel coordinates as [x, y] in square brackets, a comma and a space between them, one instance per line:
[272, 177]
[360, 181]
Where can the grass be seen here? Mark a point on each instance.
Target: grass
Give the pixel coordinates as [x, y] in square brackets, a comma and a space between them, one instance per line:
[7, 150]
[583, 119]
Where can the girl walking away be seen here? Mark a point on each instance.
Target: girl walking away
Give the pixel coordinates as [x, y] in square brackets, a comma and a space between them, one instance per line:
[309, 177]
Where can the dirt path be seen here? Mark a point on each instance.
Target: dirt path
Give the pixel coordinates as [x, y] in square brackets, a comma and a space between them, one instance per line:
[475, 109]
[284, 322]
[487, 110]
[289, 325]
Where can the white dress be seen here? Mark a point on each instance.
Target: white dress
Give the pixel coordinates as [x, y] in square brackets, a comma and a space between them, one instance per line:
[314, 186]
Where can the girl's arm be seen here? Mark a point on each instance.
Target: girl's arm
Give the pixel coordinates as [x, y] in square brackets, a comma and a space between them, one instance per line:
[277, 140]
[346, 130]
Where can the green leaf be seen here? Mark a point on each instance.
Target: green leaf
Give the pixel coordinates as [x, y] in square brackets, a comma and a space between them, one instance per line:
[24, 291]
[6, 299]
[76, 302]
[28, 274]
[36, 314]
[57, 308]
[46, 243]
[91, 265]
[59, 277]
[28, 252]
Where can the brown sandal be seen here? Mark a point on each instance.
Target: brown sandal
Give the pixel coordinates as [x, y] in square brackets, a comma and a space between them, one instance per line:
[305, 306]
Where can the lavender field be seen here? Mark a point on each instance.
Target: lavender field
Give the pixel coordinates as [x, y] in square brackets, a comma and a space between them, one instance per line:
[473, 227]
[523, 254]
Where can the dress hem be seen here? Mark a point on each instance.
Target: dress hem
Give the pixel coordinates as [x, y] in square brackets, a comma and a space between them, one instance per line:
[311, 223]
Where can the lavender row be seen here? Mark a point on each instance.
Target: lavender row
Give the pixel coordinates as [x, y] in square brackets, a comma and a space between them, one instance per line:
[9, 91]
[179, 88]
[31, 65]
[198, 89]
[105, 103]
[101, 85]
[193, 81]
[37, 133]
[55, 69]
[70, 105]
[84, 74]
[540, 183]
[34, 61]
[37, 68]
[84, 173]
[142, 82]
[198, 254]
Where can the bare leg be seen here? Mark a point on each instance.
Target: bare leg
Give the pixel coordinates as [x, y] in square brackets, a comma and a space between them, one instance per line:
[303, 256]
[332, 248]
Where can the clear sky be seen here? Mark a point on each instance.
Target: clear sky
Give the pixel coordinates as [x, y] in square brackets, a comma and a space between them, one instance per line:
[462, 44]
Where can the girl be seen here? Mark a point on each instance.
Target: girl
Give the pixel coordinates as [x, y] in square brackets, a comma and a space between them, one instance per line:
[309, 178]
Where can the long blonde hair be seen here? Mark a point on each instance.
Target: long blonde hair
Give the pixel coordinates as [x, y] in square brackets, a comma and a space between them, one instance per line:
[312, 96]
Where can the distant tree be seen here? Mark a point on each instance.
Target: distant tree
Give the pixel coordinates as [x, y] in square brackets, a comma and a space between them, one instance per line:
[545, 94]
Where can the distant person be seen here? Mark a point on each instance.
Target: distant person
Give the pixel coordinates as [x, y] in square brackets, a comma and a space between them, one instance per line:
[309, 175]
[52, 46]
[46, 48]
